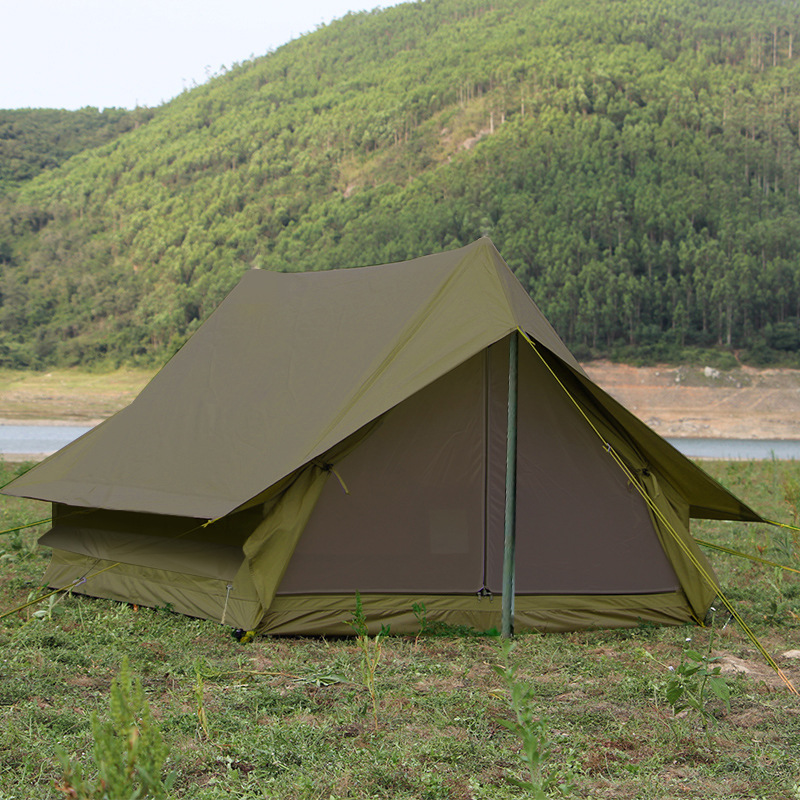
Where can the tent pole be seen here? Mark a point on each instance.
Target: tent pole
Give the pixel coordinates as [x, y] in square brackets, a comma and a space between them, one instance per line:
[509, 542]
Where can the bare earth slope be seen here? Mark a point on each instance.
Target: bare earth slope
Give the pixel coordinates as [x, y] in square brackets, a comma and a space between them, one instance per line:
[684, 401]
[744, 403]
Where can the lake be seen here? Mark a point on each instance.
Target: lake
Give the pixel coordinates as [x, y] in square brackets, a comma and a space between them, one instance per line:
[16, 440]
[730, 449]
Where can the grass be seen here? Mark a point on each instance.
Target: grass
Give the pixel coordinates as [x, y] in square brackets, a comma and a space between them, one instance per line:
[292, 718]
[67, 394]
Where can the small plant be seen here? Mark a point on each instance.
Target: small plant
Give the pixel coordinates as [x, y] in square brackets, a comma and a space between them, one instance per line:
[791, 497]
[693, 681]
[48, 607]
[534, 733]
[199, 698]
[370, 653]
[421, 613]
[129, 751]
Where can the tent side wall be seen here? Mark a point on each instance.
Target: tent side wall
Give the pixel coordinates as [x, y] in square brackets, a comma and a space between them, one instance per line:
[412, 517]
[193, 595]
[156, 560]
[651, 464]
[581, 527]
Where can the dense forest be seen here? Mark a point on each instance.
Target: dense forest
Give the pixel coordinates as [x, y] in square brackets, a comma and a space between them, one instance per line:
[36, 139]
[637, 163]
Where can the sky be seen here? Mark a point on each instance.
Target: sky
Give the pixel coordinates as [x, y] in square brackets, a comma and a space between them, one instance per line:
[127, 53]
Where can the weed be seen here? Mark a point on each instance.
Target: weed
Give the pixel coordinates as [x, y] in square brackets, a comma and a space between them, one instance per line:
[534, 734]
[129, 751]
[421, 613]
[319, 679]
[693, 681]
[370, 653]
[49, 605]
[784, 546]
[199, 699]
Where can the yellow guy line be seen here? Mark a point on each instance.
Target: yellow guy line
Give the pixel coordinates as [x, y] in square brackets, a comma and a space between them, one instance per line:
[746, 555]
[61, 518]
[665, 522]
[29, 525]
[782, 525]
[68, 587]
[72, 584]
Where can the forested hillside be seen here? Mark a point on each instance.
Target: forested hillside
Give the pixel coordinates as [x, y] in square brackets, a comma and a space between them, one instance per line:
[637, 163]
[35, 139]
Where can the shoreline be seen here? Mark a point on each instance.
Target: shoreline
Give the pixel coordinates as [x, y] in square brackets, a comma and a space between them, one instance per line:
[48, 422]
[712, 435]
[685, 402]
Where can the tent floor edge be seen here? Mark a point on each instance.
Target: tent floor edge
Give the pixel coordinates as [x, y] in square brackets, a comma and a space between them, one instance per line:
[328, 615]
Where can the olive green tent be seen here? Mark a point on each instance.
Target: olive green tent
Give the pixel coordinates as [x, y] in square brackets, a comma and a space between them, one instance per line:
[332, 432]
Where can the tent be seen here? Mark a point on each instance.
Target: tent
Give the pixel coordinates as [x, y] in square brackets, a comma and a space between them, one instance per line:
[339, 431]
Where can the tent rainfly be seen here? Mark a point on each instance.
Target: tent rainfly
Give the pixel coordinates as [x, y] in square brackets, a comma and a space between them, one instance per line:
[331, 432]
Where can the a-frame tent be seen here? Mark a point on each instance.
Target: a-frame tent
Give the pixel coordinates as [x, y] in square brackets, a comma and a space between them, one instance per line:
[332, 432]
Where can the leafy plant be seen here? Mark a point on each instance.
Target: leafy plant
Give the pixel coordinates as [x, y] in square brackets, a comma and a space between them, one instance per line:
[129, 751]
[370, 653]
[320, 679]
[199, 698]
[421, 613]
[692, 683]
[534, 733]
[48, 607]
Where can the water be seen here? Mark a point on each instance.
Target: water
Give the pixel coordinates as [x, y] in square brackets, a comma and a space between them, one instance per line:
[18, 440]
[729, 449]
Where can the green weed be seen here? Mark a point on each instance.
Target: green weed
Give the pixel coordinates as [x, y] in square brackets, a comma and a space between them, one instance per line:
[129, 751]
[693, 683]
[533, 731]
[421, 613]
[370, 653]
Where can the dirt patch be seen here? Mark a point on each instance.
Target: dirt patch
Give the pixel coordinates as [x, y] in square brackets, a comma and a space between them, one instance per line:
[744, 403]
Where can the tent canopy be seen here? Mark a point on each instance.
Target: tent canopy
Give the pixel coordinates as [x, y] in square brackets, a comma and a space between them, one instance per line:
[291, 364]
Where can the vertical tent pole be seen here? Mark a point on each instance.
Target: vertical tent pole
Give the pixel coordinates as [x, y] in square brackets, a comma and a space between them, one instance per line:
[511, 491]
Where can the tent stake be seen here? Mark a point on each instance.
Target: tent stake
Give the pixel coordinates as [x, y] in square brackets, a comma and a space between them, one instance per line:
[509, 542]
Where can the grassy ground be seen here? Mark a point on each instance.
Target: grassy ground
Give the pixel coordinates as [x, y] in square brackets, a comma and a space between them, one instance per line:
[68, 394]
[293, 718]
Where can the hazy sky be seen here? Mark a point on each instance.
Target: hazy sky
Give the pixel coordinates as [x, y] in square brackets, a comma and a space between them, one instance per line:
[103, 53]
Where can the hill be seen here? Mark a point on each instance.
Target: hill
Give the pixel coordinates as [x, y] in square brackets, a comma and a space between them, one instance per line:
[33, 140]
[636, 163]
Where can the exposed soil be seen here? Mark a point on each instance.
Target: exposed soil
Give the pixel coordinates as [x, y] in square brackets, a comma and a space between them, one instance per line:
[744, 403]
